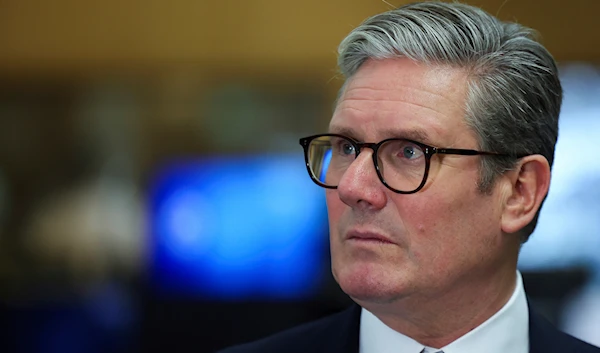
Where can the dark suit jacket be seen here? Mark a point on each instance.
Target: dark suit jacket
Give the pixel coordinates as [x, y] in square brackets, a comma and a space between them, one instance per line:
[339, 334]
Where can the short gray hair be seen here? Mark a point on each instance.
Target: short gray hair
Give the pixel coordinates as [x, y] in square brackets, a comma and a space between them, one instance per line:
[514, 93]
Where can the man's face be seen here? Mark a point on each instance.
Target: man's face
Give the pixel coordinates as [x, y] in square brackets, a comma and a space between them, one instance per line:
[439, 238]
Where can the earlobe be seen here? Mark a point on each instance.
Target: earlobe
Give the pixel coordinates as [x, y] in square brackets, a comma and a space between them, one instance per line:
[529, 186]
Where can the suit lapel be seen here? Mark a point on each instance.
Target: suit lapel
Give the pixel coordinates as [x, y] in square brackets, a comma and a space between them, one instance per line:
[542, 335]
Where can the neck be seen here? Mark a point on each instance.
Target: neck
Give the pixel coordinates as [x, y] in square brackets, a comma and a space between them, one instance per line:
[440, 320]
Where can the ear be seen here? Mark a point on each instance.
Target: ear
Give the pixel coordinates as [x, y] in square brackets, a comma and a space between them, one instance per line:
[529, 186]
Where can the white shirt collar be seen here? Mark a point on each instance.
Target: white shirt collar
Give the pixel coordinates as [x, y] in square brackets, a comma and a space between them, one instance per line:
[505, 331]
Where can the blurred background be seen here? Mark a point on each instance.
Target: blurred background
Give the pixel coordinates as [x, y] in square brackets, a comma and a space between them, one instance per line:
[153, 195]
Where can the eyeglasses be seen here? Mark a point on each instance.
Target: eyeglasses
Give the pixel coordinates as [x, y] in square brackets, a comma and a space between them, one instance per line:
[402, 165]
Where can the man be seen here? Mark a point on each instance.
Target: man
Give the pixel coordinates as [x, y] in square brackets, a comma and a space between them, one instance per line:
[435, 167]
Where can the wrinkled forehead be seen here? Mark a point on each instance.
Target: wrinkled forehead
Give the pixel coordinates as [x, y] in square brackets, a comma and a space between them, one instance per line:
[393, 96]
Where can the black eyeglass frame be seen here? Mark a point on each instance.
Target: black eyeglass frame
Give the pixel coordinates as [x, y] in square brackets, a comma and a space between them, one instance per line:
[429, 151]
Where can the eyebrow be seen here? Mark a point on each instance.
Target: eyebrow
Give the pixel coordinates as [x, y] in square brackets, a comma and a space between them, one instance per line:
[417, 134]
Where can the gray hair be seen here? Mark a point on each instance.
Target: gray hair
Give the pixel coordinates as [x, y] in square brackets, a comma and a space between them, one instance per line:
[514, 93]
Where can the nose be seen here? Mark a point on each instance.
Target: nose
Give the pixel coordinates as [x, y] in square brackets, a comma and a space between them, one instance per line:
[360, 187]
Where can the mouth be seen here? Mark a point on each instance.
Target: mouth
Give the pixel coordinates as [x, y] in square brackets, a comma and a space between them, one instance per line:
[368, 237]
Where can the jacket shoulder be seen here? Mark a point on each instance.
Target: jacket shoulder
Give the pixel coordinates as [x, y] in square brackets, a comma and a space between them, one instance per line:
[310, 337]
[576, 345]
[545, 338]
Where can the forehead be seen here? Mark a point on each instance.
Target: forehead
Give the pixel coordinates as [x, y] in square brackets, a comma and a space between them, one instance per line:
[398, 96]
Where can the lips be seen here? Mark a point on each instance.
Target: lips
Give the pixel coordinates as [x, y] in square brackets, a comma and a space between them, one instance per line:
[367, 236]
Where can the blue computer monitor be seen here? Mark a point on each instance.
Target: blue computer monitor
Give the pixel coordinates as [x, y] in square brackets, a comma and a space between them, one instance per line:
[238, 228]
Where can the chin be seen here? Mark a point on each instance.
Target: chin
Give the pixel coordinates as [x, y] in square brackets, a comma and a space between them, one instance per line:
[369, 283]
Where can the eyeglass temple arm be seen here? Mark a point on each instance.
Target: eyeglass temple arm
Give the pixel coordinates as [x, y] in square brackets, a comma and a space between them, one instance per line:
[474, 152]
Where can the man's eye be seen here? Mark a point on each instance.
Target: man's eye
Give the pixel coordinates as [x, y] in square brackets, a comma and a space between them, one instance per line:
[409, 152]
[347, 148]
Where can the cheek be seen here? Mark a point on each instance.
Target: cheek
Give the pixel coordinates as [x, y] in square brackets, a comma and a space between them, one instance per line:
[440, 225]
[453, 229]
[335, 208]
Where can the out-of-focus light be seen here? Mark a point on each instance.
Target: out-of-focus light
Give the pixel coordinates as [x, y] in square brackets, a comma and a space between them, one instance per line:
[238, 228]
[569, 224]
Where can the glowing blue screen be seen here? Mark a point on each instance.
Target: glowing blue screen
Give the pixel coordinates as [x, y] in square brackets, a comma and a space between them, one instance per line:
[238, 228]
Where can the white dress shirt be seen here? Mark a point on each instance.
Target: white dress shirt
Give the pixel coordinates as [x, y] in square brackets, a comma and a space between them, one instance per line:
[506, 331]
